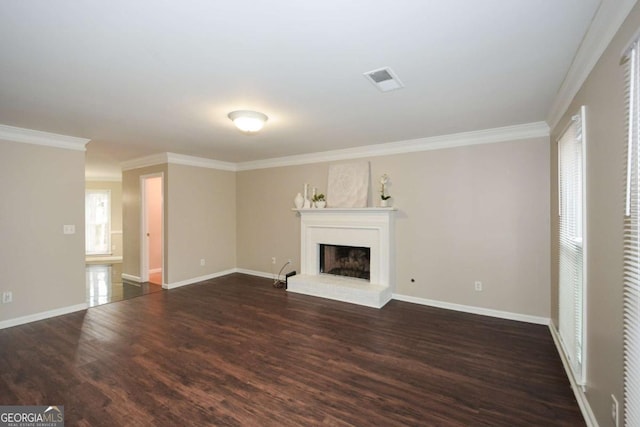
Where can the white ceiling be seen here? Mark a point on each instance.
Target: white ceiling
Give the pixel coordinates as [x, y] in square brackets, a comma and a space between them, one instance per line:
[147, 76]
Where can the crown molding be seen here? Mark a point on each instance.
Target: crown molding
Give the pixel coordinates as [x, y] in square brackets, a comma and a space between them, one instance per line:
[181, 159]
[177, 159]
[143, 162]
[103, 178]
[604, 26]
[36, 137]
[487, 136]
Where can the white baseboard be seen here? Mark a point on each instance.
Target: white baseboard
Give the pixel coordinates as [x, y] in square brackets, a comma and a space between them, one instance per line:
[440, 304]
[131, 277]
[155, 270]
[103, 259]
[42, 315]
[197, 279]
[271, 276]
[583, 403]
[474, 310]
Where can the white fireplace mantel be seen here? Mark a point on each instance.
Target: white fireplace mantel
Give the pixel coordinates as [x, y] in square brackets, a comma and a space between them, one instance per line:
[364, 227]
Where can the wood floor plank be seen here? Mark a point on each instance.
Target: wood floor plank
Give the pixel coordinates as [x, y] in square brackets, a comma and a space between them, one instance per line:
[234, 351]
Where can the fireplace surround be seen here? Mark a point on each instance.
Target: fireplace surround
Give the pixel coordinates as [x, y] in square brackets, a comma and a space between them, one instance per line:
[371, 228]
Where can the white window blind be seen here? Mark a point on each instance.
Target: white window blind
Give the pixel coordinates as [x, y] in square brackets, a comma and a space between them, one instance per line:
[572, 248]
[98, 222]
[632, 246]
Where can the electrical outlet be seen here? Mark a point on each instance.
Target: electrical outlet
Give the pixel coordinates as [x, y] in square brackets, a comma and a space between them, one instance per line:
[478, 285]
[7, 297]
[273, 260]
[202, 262]
[614, 411]
[69, 229]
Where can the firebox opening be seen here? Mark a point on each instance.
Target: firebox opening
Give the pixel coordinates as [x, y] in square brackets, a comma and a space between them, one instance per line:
[347, 261]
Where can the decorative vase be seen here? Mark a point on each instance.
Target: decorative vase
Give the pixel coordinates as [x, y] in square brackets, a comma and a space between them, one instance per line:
[321, 204]
[384, 203]
[298, 201]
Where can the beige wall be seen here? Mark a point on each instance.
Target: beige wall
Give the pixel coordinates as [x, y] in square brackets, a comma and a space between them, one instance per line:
[202, 222]
[115, 187]
[603, 95]
[464, 214]
[199, 221]
[266, 226]
[131, 208]
[42, 189]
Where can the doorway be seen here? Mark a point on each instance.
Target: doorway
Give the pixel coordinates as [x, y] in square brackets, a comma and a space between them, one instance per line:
[152, 238]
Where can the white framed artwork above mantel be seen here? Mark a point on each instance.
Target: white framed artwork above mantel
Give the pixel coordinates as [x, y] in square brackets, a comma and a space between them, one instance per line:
[371, 228]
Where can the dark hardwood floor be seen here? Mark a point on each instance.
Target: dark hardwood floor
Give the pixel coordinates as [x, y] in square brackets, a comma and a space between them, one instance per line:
[234, 351]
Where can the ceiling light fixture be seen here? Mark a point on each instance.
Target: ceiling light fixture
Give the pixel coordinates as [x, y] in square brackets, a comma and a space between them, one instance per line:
[248, 121]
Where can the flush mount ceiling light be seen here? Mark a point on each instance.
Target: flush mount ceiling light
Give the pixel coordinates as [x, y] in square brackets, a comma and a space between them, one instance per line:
[248, 121]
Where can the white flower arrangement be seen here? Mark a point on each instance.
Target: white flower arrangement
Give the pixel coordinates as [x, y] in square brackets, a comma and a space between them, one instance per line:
[384, 179]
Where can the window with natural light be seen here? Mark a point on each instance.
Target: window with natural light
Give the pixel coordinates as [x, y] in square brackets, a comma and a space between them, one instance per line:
[632, 244]
[98, 222]
[572, 245]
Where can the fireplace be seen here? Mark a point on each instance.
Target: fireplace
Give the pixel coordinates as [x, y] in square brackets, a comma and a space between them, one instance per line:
[341, 273]
[347, 261]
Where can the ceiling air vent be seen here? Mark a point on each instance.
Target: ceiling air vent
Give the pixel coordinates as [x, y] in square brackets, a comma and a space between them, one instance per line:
[384, 79]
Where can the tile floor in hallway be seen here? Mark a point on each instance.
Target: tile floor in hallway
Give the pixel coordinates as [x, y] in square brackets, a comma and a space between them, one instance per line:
[103, 287]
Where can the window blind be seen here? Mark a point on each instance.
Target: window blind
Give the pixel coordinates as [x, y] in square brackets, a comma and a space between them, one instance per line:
[571, 245]
[631, 314]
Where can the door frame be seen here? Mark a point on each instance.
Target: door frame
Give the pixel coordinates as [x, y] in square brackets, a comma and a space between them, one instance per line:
[144, 241]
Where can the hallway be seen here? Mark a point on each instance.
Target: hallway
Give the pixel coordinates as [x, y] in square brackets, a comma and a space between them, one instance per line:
[103, 287]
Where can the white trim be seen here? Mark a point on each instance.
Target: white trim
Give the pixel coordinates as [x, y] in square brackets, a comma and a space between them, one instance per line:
[373, 209]
[131, 278]
[605, 24]
[271, 276]
[144, 234]
[143, 162]
[42, 315]
[581, 398]
[197, 279]
[108, 192]
[144, 240]
[177, 159]
[30, 136]
[487, 136]
[538, 320]
[181, 159]
[155, 270]
[474, 310]
[585, 244]
[103, 178]
[103, 259]
[116, 231]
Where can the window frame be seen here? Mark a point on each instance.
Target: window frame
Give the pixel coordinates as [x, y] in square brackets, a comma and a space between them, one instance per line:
[88, 225]
[573, 307]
